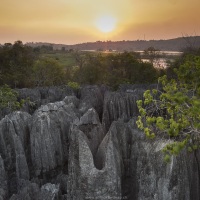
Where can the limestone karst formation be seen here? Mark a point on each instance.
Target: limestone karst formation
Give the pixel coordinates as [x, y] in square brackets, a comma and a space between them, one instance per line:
[85, 145]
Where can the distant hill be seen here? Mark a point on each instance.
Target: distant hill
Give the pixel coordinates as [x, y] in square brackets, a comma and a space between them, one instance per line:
[176, 44]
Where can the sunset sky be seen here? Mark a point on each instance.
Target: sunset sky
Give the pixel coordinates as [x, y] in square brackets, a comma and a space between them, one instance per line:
[77, 21]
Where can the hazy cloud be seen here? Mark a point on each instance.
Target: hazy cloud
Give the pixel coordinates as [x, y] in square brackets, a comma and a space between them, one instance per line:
[70, 21]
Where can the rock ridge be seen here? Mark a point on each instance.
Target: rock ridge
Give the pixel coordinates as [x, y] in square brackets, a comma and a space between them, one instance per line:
[90, 148]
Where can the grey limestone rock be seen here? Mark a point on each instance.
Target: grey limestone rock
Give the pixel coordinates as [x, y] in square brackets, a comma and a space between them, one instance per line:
[71, 99]
[120, 136]
[119, 105]
[31, 191]
[50, 192]
[134, 87]
[62, 180]
[91, 97]
[53, 94]
[85, 180]
[13, 148]
[49, 135]
[143, 173]
[22, 170]
[90, 125]
[63, 151]
[153, 178]
[42, 95]
[3, 181]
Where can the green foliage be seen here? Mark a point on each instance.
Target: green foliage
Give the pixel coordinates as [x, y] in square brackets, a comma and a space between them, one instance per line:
[47, 72]
[44, 49]
[16, 63]
[174, 111]
[73, 85]
[23, 66]
[152, 54]
[65, 59]
[8, 98]
[175, 65]
[114, 69]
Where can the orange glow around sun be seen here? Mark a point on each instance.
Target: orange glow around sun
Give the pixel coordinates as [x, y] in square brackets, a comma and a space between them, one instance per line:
[78, 21]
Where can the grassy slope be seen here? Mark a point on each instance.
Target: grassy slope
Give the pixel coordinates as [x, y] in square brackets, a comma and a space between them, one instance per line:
[67, 59]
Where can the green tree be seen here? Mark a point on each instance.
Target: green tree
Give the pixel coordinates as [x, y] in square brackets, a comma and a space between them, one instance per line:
[187, 51]
[115, 69]
[79, 58]
[47, 72]
[174, 111]
[152, 54]
[16, 63]
[8, 98]
[92, 72]
[128, 68]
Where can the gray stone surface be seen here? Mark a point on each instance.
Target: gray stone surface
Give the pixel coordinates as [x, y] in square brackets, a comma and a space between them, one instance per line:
[90, 125]
[64, 152]
[50, 192]
[119, 105]
[32, 192]
[133, 87]
[85, 180]
[3, 181]
[49, 135]
[144, 173]
[71, 99]
[154, 178]
[43, 95]
[13, 147]
[91, 97]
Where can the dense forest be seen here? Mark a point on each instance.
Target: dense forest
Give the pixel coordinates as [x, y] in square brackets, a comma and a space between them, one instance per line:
[24, 66]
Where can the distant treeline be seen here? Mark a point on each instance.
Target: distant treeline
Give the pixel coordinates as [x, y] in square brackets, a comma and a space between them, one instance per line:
[25, 66]
[22, 66]
[176, 44]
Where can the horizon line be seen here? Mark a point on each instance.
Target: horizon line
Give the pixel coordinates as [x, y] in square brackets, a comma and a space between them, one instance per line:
[51, 43]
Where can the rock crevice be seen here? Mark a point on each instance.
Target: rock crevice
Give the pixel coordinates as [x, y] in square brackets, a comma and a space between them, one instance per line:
[89, 148]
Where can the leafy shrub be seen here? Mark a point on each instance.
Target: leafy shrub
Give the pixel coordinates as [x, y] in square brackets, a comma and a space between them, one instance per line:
[174, 111]
[47, 72]
[73, 85]
[8, 98]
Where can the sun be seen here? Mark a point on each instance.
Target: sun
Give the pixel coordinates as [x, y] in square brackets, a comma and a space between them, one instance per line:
[106, 23]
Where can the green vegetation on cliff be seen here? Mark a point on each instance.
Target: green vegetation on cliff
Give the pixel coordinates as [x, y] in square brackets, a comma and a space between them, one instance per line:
[8, 98]
[173, 111]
